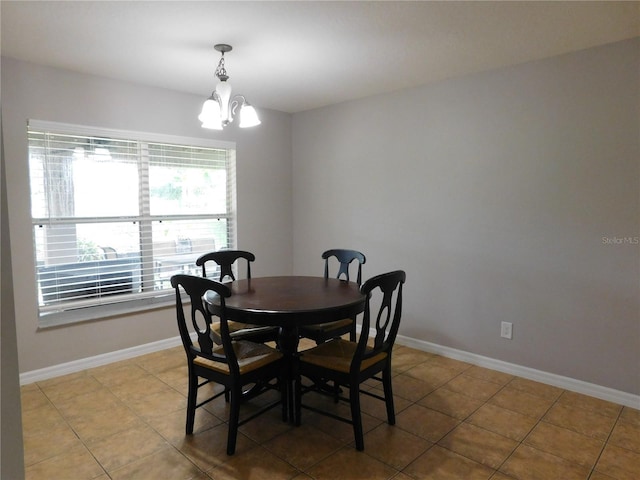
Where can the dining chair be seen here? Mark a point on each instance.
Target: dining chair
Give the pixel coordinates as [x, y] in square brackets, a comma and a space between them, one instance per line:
[234, 364]
[224, 260]
[322, 332]
[351, 363]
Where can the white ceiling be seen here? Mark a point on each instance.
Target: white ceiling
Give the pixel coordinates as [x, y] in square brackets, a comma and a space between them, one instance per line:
[298, 55]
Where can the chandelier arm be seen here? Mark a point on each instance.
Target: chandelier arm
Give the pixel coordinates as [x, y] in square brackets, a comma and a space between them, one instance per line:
[234, 102]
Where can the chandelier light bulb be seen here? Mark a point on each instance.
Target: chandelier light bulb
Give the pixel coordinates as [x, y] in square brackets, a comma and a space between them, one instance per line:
[210, 114]
[248, 116]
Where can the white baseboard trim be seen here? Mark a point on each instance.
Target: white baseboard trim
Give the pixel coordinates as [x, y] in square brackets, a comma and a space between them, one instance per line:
[579, 386]
[97, 361]
[597, 391]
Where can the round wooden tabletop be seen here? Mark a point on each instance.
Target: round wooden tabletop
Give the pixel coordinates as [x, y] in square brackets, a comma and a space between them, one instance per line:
[290, 301]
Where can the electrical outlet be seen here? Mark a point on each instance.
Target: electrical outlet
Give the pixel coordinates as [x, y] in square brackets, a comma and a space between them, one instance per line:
[506, 330]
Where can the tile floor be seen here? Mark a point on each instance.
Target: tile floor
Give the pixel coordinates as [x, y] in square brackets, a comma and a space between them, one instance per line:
[454, 421]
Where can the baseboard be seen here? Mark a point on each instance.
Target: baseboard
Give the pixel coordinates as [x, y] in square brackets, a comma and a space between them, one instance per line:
[97, 361]
[597, 391]
[571, 384]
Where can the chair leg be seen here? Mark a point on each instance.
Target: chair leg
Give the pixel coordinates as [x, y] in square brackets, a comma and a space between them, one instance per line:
[356, 416]
[297, 401]
[234, 418]
[282, 388]
[192, 396]
[388, 394]
[352, 332]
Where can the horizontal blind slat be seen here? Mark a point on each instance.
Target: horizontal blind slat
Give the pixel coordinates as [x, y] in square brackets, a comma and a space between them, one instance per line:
[114, 218]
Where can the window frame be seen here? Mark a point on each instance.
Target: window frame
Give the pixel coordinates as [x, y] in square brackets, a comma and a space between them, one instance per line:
[67, 312]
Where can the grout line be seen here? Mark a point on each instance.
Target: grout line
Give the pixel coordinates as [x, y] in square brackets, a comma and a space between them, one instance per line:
[606, 442]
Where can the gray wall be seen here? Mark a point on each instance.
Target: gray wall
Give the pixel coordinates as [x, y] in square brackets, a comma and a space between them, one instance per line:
[494, 192]
[11, 447]
[263, 181]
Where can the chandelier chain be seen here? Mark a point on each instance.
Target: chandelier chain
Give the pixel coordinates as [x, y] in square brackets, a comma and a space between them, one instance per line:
[221, 72]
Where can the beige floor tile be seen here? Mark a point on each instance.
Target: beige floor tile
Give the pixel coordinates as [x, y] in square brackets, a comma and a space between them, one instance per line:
[46, 443]
[528, 463]
[32, 398]
[478, 444]
[254, 464]
[302, 476]
[117, 374]
[501, 476]
[411, 388]
[40, 419]
[158, 403]
[426, 423]
[349, 464]
[394, 446]
[404, 358]
[627, 436]
[536, 388]
[600, 476]
[103, 423]
[580, 420]
[50, 382]
[522, 402]
[432, 375]
[264, 427]
[82, 405]
[74, 464]
[303, 446]
[505, 422]
[630, 416]
[167, 463]
[127, 446]
[172, 426]
[77, 386]
[377, 408]
[208, 449]
[441, 464]
[573, 447]
[139, 388]
[489, 375]
[163, 360]
[601, 407]
[131, 416]
[619, 463]
[337, 429]
[451, 403]
[402, 476]
[450, 363]
[177, 377]
[473, 387]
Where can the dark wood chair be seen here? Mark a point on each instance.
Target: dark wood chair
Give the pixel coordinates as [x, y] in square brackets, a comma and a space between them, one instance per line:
[224, 260]
[322, 332]
[233, 364]
[351, 363]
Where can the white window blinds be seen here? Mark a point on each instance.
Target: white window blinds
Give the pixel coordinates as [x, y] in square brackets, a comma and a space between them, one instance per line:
[116, 214]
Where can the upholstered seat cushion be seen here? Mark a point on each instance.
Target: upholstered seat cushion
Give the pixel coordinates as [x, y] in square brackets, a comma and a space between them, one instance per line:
[250, 356]
[239, 330]
[337, 355]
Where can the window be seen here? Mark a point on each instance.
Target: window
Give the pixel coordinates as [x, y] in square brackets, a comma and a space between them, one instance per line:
[116, 214]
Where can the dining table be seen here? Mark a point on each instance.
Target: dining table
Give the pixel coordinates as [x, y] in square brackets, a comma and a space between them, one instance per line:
[289, 302]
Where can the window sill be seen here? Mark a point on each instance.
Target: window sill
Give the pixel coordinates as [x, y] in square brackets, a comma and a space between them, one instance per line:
[103, 312]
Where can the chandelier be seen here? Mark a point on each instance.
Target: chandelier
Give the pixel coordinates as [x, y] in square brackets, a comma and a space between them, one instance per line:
[220, 108]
